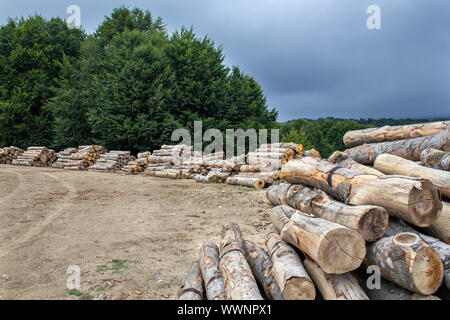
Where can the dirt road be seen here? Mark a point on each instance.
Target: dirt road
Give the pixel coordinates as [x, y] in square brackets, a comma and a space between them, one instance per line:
[132, 237]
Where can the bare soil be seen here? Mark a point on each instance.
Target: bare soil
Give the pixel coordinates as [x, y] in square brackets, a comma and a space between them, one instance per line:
[133, 237]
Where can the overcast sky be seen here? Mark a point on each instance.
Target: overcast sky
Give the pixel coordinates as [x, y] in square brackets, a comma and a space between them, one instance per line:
[313, 58]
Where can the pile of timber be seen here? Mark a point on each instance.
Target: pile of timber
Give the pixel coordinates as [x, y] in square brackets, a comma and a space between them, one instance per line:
[112, 161]
[138, 165]
[162, 161]
[8, 154]
[84, 157]
[35, 157]
[64, 157]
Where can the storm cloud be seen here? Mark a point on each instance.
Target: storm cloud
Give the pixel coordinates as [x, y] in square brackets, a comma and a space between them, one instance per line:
[313, 58]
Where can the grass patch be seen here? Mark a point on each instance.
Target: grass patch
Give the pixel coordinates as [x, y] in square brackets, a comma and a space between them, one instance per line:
[115, 266]
[79, 294]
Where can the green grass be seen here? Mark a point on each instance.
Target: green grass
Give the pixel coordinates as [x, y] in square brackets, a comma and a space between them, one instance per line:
[115, 266]
[79, 294]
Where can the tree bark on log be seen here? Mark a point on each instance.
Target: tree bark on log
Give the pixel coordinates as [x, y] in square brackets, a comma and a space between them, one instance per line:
[209, 267]
[335, 248]
[409, 149]
[239, 281]
[437, 159]
[342, 160]
[288, 270]
[408, 261]
[388, 133]
[441, 248]
[411, 199]
[192, 288]
[392, 165]
[247, 182]
[369, 221]
[262, 268]
[334, 286]
[441, 228]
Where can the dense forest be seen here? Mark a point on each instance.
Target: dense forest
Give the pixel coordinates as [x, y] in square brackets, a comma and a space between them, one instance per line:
[130, 84]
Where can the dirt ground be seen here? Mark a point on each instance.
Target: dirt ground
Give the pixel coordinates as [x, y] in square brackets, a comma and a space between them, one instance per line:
[132, 237]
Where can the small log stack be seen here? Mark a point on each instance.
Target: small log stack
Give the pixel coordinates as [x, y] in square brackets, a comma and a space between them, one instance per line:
[8, 154]
[85, 157]
[138, 165]
[64, 157]
[112, 161]
[35, 157]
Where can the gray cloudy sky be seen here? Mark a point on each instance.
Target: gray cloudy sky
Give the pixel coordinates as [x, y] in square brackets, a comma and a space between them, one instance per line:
[313, 58]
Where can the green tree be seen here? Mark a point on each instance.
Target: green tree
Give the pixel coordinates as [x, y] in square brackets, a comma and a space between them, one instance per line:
[31, 51]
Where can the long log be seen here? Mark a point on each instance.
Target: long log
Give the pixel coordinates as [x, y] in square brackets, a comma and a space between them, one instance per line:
[262, 268]
[239, 281]
[437, 159]
[192, 288]
[209, 267]
[369, 221]
[441, 248]
[342, 160]
[334, 286]
[390, 164]
[246, 182]
[408, 261]
[388, 133]
[335, 248]
[441, 228]
[409, 149]
[288, 270]
[411, 199]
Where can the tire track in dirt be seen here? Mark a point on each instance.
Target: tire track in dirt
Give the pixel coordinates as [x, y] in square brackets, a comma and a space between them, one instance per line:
[37, 228]
[17, 190]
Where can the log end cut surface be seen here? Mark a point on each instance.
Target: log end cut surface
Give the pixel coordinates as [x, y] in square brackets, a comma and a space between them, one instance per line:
[373, 224]
[299, 289]
[425, 203]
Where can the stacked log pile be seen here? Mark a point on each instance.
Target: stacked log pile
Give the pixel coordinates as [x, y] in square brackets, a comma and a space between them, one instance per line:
[64, 157]
[112, 161]
[138, 165]
[84, 157]
[35, 157]
[162, 161]
[8, 154]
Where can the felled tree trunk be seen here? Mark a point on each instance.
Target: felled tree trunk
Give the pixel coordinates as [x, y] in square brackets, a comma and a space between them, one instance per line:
[409, 149]
[390, 164]
[288, 270]
[441, 248]
[408, 261]
[335, 286]
[411, 199]
[240, 283]
[192, 288]
[342, 160]
[369, 221]
[335, 248]
[441, 228]
[437, 159]
[262, 268]
[388, 133]
[247, 182]
[209, 267]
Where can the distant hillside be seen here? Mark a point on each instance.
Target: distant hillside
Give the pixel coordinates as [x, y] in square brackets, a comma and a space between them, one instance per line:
[326, 134]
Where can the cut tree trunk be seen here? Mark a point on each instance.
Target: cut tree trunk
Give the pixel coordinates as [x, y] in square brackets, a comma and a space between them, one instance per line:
[288, 270]
[369, 221]
[441, 228]
[247, 182]
[409, 149]
[239, 281]
[437, 159]
[335, 248]
[388, 133]
[342, 160]
[441, 248]
[192, 288]
[390, 164]
[262, 268]
[408, 261]
[411, 199]
[335, 286]
[209, 267]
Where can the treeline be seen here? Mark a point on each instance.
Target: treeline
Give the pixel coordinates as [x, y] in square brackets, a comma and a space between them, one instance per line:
[326, 134]
[127, 86]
